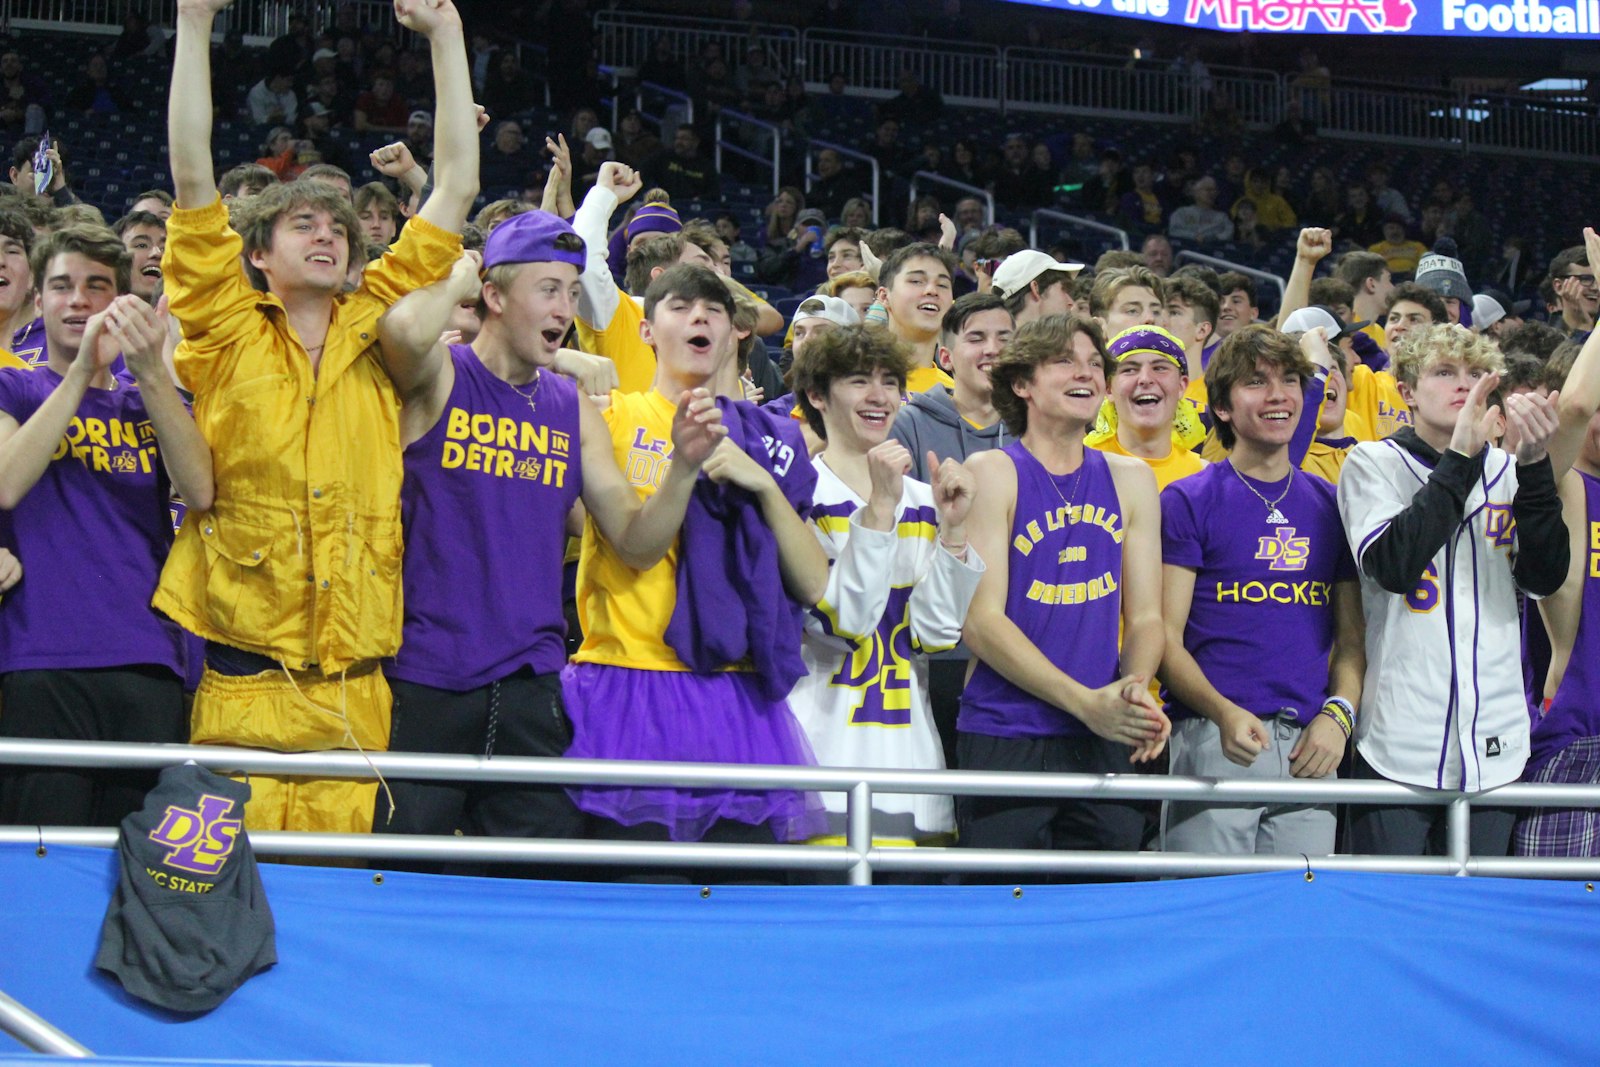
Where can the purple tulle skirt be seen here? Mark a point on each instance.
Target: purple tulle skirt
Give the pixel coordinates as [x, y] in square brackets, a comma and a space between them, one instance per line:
[621, 713]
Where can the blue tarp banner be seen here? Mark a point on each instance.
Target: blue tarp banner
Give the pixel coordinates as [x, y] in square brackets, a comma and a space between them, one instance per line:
[1257, 969]
[1562, 19]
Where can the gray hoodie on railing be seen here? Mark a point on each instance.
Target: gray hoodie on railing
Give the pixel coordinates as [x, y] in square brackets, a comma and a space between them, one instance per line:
[930, 421]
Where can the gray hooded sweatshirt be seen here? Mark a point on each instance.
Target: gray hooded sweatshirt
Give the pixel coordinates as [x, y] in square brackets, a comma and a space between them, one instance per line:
[930, 422]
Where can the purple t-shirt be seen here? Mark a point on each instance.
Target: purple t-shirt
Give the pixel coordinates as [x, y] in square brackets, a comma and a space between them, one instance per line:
[1065, 594]
[485, 504]
[1574, 711]
[1261, 623]
[92, 535]
[27, 344]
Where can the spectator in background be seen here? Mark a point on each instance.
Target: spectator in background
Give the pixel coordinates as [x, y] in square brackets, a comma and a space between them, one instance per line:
[1321, 207]
[664, 67]
[1157, 251]
[1104, 192]
[380, 108]
[1200, 221]
[293, 50]
[1361, 224]
[1474, 238]
[887, 149]
[413, 79]
[138, 37]
[684, 173]
[1018, 185]
[1084, 161]
[833, 185]
[1295, 130]
[1141, 207]
[509, 161]
[1272, 211]
[509, 90]
[916, 103]
[379, 213]
[714, 88]
[1572, 279]
[794, 259]
[22, 96]
[633, 143]
[963, 164]
[1399, 251]
[756, 74]
[1389, 200]
[419, 137]
[272, 99]
[739, 251]
[798, 103]
[336, 101]
[856, 213]
[97, 94]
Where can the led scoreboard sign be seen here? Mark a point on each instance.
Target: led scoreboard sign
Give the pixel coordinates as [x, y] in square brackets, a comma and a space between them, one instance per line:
[1417, 18]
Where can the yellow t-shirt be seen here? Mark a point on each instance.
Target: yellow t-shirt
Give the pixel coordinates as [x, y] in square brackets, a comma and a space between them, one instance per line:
[621, 344]
[8, 360]
[921, 379]
[1376, 403]
[624, 611]
[1402, 256]
[1178, 463]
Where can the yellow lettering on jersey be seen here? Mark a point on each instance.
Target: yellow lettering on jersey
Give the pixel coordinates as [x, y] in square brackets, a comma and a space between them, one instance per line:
[1314, 594]
[1068, 593]
[1594, 550]
[505, 448]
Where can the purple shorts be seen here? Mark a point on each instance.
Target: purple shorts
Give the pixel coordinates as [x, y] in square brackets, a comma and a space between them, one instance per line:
[622, 713]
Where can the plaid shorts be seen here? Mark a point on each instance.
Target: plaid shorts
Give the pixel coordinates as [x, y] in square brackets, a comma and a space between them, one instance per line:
[1564, 831]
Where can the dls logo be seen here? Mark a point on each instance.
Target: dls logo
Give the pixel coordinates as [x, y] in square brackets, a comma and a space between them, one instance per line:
[1286, 551]
[200, 840]
[1499, 525]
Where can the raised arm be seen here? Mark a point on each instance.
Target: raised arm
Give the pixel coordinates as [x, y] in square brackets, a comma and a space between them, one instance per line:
[141, 332]
[598, 293]
[642, 534]
[455, 119]
[189, 105]
[26, 448]
[1309, 250]
[408, 336]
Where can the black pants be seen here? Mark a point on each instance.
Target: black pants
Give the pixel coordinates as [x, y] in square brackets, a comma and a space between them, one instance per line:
[1419, 829]
[521, 715]
[1046, 822]
[137, 703]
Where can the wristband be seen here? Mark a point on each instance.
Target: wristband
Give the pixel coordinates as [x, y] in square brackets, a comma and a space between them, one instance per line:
[958, 551]
[1341, 712]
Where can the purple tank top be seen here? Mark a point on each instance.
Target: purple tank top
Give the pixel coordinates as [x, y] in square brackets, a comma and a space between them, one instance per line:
[485, 504]
[1574, 710]
[1065, 567]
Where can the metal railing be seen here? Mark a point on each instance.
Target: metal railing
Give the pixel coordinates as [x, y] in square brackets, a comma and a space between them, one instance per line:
[872, 63]
[858, 858]
[258, 20]
[629, 40]
[815, 145]
[764, 144]
[1228, 264]
[34, 1033]
[928, 177]
[1074, 222]
[1043, 80]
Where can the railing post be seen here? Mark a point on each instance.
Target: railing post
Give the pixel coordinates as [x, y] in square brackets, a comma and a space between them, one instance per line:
[858, 832]
[1458, 832]
[716, 143]
[36, 1034]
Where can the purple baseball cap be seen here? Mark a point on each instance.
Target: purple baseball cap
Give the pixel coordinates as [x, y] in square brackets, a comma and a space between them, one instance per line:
[531, 238]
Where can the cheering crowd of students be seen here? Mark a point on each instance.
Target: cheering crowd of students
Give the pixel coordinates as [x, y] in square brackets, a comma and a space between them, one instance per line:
[533, 485]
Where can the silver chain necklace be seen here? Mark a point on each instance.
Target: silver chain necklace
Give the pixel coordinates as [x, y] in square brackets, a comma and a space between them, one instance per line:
[1273, 514]
[538, 376]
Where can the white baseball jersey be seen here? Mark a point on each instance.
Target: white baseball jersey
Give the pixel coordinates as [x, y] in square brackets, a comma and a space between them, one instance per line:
[892, 598]
[1442, 705]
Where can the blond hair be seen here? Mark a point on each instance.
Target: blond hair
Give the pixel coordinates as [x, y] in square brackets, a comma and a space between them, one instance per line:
[1420, 349]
